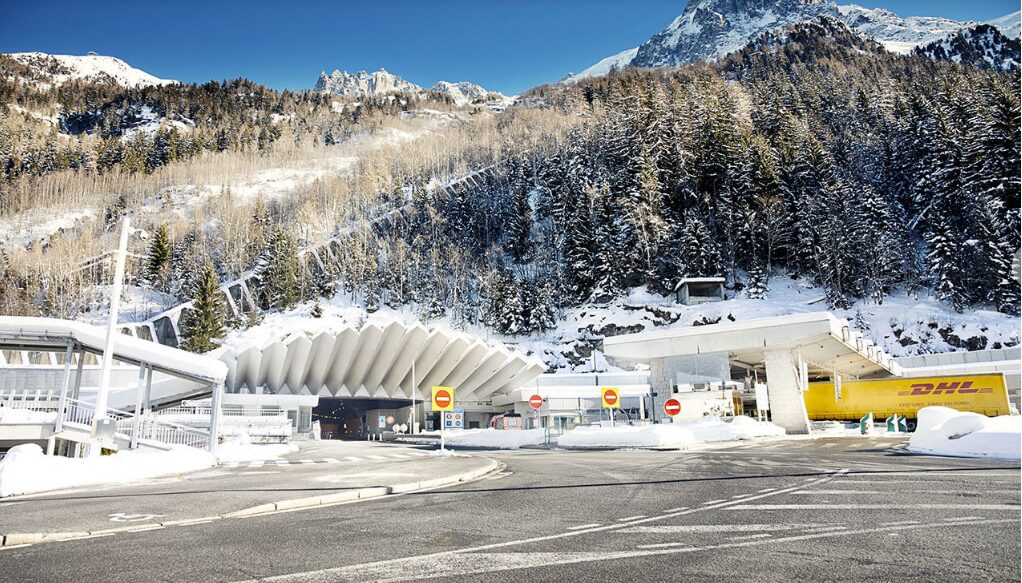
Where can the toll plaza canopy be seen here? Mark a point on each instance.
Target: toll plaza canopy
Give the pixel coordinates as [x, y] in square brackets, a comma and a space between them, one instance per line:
[826, 343]
[789, 350]
[376, 361]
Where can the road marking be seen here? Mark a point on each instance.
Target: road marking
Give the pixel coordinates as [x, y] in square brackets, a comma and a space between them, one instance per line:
[1014, 507]
[631, 518]
[376, 457]
[122, 517]
[10, 503]
[465, 562]
[713, 502]
[679, 509]
[282, 462]
[958, 518]
[900, 522]
[307, 461]
[835, 492]
[354, 459]
[663, 546]
[751, 536]
[581, 526]
[331, 460]
[256, 464]
[766, 490]
[231, 465]
[690, 528]
[397, 455]
[9, 547]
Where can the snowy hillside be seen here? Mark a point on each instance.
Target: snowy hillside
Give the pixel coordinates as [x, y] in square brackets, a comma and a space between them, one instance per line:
[362, 83]
[465, 93]
[1009, 25]
[981, 46]
[55, 70]
[903, 325]
[710, 29]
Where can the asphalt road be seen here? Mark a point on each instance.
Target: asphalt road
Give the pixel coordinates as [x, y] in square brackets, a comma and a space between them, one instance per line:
[820, 510]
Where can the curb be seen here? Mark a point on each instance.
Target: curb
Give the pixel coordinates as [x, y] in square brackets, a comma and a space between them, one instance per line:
[21, 539]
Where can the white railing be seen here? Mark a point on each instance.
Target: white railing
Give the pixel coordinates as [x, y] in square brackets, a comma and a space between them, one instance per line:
[137, 429]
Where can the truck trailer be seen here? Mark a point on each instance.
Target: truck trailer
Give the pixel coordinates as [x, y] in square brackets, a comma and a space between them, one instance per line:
[985, 394]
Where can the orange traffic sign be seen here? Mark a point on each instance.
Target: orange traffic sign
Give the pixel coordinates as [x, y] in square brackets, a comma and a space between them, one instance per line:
[443, 399]
[611, 398]
[536, 402]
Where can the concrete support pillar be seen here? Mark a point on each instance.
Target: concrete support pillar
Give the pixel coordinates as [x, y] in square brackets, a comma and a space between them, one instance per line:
[787, 406]
[660, 383]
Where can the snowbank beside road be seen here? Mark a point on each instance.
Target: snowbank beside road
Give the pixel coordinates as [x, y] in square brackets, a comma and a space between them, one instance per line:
[241, 449]
[495, 439]
[649, 436]
[716, 429]
[944, 431]
[27, 469]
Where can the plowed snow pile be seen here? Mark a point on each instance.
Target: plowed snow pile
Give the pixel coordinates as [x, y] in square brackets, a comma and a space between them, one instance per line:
[649, 436]
[944, 431]
[493, 438]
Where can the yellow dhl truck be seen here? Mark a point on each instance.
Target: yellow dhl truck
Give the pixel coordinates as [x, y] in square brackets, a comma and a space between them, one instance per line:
[985, 394]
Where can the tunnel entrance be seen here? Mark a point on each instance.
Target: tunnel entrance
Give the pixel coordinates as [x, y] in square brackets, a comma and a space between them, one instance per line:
[355, 418]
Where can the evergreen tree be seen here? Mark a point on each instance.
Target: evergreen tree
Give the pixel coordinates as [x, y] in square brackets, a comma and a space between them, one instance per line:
[158, 260]
[278, 272]
[204, 323]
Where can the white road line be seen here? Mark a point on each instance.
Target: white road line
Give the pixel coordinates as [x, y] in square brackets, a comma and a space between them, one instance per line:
[376, 457]
[581, 526]
[419, 453]
[713, 502]
[679, 509]
[397, 455]
[956, 519]
[663, 546]
[631, 518]
[354, 459]
[836, 492]
[751, 536]
[331, 460]
[766, 490]
[256, 464]
[900, 522]
[282, 462]
[1013, 507]
[307, 461]
[702, 528]
[468, 561]
[10, 503]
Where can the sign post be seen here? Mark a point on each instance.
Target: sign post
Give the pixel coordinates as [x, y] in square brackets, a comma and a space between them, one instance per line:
[536, 402]
[611, 400]
[443, 400]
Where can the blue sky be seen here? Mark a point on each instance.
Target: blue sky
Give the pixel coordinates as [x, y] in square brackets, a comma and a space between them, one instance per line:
[507, 46]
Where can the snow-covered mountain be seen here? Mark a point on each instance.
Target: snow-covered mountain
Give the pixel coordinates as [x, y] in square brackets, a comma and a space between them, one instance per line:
[1009, 25]
[710, 29]
[383, 83]
[362, 83]
[982, 46]
[464, 93]
[55, 70]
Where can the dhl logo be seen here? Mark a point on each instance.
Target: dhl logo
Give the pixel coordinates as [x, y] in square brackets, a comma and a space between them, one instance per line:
[924, 389]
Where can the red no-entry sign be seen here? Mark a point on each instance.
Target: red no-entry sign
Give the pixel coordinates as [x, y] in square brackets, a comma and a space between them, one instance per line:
[672, 407]
[536, 402]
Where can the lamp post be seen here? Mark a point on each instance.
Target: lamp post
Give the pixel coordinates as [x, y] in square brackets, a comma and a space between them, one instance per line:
[100, 423]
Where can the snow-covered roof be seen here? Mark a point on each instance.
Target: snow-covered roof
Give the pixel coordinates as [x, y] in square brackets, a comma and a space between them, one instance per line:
[375, 361]
[824, 341]
[44, 333]
[686, 280]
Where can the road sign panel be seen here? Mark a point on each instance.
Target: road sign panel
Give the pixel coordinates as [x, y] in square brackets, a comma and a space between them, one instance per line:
[611, 398]
[672, 407]
[382, 420]
[536, 402]
[443, 399]
[454, 419]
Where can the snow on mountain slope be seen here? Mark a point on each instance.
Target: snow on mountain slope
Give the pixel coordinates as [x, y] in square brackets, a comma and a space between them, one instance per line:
[55, 70]
[464, 93]
[362, 83]
[1009, 25]
[619, 61]
[710, 29]
[981, 46]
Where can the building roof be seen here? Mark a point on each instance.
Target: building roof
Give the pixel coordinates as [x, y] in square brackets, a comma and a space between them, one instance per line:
[375, 361]
[25, 333]
[687, 280]
[825, 342]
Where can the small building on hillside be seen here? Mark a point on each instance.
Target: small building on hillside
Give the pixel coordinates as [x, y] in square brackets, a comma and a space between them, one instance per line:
[699, 290]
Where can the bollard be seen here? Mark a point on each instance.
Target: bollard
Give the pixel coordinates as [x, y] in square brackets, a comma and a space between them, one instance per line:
[892, 423]
[866, 423]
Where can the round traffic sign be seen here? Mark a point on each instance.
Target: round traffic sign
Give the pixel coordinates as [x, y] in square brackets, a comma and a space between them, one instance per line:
[536, 402]
[610, 397]
[442, 398]
[672, 407]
